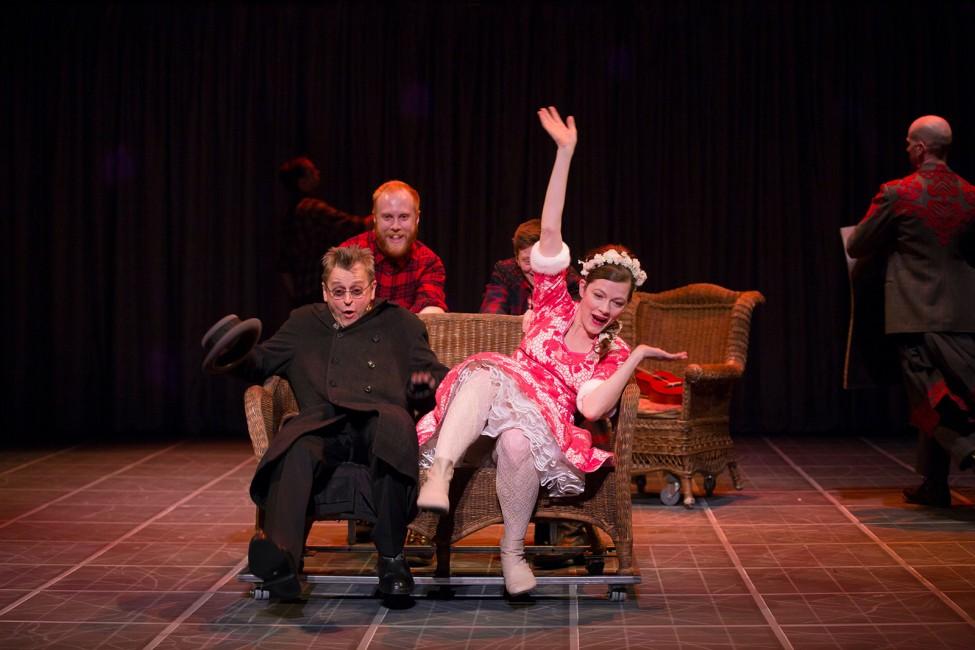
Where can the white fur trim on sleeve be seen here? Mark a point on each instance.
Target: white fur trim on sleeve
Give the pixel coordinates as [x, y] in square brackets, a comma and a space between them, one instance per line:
[550, 265]
[585, 389]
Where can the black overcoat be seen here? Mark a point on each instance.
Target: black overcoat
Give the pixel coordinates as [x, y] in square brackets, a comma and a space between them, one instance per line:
[360, 372]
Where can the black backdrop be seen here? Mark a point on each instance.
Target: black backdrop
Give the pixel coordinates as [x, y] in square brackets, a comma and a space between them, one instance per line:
[723, 141]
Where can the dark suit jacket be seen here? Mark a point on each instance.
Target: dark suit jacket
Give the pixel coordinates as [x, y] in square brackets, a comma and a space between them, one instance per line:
[359, 373]
[925, 224]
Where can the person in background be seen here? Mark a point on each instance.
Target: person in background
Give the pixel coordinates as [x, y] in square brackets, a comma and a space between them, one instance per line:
[509, 289]
[924, 225]
[310, 227]
[408, 273]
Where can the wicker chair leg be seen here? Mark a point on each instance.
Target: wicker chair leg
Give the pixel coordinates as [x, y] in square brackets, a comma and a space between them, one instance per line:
[258, 519]
[641, 483]
[687, 487]
[445, 529]
[735, 475]
[595, 542]
[624, 556]
[443, 559]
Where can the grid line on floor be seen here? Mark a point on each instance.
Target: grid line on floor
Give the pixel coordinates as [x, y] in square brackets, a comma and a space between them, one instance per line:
[192, 609]
[39, 459]
[960, 611]
[87, 486]
[109, 546]
[749, 584]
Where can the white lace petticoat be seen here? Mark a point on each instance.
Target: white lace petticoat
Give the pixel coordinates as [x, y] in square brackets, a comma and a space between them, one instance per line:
[512, 409]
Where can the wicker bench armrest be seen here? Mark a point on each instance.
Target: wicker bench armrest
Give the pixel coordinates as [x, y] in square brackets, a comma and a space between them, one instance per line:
[265, 407]
[258, 409]
[624, 424]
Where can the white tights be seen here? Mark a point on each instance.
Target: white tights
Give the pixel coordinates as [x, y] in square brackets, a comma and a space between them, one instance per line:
[517, 478]
[517, 485]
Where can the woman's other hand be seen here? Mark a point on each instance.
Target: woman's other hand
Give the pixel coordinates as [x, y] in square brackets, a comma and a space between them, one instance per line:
[649, 352]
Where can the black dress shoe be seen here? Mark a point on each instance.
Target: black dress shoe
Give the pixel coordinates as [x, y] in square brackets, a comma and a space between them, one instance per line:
[395, 578]
[929, 493]
[275, 567]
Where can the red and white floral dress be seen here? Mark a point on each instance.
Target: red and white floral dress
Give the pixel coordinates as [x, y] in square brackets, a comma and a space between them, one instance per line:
[539, 386]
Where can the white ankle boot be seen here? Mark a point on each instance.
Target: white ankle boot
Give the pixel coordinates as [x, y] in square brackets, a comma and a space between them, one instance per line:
[434, 493]
[518, 576]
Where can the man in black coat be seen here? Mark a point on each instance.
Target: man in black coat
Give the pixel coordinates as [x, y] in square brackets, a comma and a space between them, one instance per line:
[924, 226]
[359, 367]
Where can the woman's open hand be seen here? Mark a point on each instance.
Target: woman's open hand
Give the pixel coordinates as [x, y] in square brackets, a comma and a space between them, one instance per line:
[564, 133]
[648, 352]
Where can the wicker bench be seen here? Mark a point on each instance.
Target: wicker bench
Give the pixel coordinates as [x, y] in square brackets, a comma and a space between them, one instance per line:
[454, 337]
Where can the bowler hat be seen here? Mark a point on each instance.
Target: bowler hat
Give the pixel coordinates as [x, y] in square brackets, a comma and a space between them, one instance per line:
[228, 342]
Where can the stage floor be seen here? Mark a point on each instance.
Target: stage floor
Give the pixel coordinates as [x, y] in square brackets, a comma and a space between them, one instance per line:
[131, 546]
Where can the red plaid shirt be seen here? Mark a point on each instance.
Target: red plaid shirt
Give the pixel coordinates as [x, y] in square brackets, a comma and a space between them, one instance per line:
[415, 281]
[508, 291]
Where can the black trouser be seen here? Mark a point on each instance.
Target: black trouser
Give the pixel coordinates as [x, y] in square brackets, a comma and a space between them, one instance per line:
[946, 445]
[940, 364]
[299, 474]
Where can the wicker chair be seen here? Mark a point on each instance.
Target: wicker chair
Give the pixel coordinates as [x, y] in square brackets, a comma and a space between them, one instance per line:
[712, 324]
[454, 337]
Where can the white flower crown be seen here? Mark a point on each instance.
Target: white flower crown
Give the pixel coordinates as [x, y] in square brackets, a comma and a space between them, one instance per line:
[613, 256]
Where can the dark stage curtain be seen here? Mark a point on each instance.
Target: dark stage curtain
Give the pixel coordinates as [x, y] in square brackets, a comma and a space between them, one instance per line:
[725, 142]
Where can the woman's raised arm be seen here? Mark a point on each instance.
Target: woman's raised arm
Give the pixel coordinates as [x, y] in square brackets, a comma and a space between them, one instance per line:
[565, 137]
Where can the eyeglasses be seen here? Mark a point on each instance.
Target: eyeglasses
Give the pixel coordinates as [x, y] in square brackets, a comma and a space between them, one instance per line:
[340, 292]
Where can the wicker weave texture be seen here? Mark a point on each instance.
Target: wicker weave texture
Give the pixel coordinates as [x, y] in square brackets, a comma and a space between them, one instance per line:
[265, 408]
[456, 336]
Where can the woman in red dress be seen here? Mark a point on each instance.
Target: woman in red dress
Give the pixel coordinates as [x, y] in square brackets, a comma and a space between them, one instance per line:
[570, 359]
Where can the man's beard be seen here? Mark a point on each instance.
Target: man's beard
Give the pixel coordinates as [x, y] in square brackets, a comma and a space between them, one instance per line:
[404, 251]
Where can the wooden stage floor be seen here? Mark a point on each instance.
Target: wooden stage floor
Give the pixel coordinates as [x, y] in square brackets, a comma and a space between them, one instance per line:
[139, 546]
